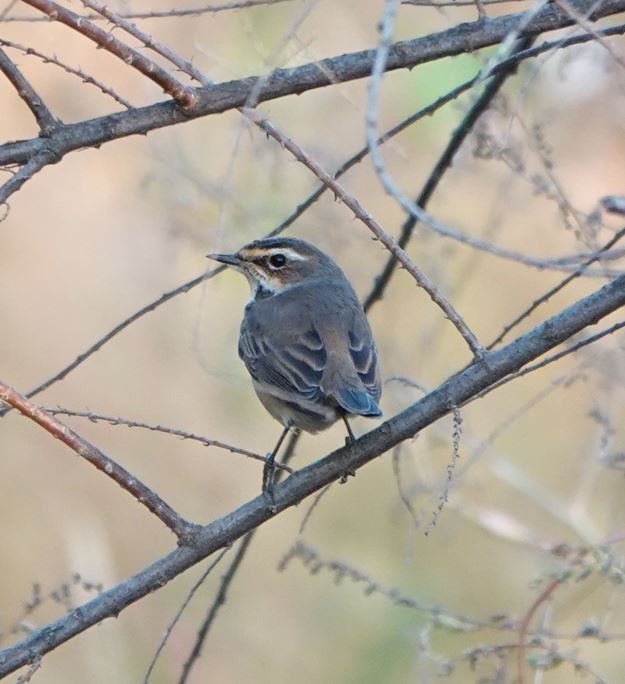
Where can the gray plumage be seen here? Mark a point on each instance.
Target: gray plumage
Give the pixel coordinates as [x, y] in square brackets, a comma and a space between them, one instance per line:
[304, 338]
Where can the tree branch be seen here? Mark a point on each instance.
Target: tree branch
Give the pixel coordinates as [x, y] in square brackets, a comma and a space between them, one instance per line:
[175, 13]
[44, 117]
[221, 97]
[183, 95]
[456, 140]
[143, 494]
[456, 391]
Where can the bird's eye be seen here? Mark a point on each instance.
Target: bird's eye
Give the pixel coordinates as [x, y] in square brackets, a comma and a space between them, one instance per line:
[277, 260]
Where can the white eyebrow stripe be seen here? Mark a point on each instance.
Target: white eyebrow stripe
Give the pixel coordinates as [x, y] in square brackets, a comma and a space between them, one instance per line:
[288, 253]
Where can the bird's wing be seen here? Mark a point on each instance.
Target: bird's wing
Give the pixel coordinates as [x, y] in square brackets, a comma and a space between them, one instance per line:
[290, 361]
[352, 376]
[363, 353]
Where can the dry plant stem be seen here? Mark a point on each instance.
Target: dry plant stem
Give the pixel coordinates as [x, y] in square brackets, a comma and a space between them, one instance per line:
[222, 532]
[556, 288]
[183, 95]
[183, 434]
[229, 576]
[442, 165]
[233, 94]
[389, 242]
[174, 13]
[93, 455]
[44, 117]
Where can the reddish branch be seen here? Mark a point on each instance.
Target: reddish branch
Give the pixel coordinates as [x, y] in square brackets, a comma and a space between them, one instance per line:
[91, 453]
[544, 596]
[184, 95]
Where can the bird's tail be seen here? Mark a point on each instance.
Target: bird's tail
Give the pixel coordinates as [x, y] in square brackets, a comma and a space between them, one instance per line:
[357, 401]
[349, 393]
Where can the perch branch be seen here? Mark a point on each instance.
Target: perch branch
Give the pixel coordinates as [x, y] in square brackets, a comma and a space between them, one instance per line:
[455, 391]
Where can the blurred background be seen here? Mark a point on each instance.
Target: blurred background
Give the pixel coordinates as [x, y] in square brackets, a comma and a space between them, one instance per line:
[91, 240]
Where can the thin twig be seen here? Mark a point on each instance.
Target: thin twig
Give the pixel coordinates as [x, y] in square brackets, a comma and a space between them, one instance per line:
[170, 14]
[584, 23]
[451, 467]
[26, 172]
[219, 600]
[206, 441]
[229, 576]
[455, 3]
[443, 164]
[553, 357]
[7, 9]
[181, 610]
[119, 20]
[556, 288]
[74, 71]
[379, 66]
[387, 240]
[545, 595]
[170, 294]
[183, 95]
[143, 494]
[44, 117]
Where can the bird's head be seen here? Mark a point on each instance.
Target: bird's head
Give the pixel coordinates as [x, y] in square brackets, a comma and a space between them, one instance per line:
[272, 264]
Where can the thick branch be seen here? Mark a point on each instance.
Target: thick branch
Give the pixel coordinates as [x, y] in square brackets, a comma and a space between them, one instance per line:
[225, 96]
[459, 389]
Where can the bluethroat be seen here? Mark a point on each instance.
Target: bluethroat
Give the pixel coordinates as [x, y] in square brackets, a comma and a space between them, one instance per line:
[304, 339]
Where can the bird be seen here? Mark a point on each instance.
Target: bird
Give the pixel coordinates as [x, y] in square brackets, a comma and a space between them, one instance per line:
[304, 339]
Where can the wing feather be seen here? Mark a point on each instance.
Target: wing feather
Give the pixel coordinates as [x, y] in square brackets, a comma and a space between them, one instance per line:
[294, 366]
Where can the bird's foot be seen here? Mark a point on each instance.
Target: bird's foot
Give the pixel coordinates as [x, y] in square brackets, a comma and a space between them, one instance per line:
[346, 475]
[269, 470]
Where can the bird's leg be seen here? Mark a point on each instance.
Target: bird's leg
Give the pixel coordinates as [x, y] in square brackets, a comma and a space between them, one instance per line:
[350, 439]
[270, 466]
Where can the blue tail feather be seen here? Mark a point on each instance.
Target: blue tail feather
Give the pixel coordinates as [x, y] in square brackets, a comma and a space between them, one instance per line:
[357, 402]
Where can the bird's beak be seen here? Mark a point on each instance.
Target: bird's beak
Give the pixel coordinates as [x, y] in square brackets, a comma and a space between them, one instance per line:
[228, 259]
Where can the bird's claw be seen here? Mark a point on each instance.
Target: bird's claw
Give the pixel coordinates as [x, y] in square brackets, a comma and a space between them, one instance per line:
[346, 475]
